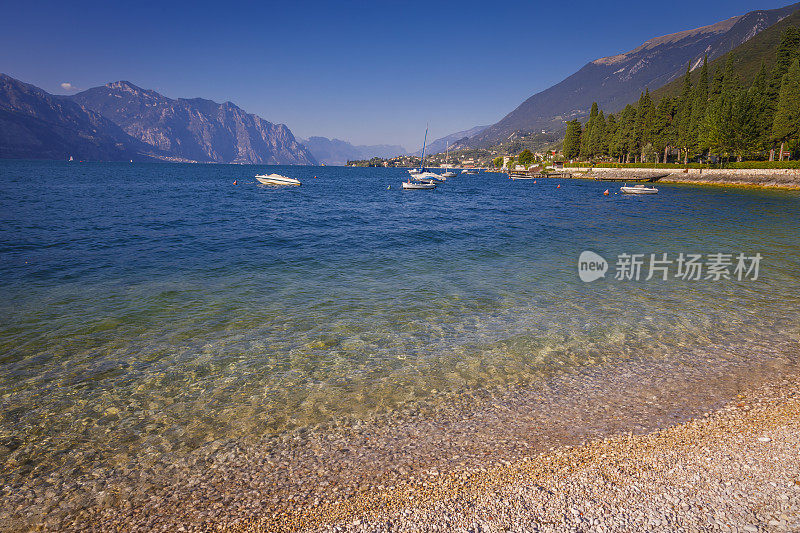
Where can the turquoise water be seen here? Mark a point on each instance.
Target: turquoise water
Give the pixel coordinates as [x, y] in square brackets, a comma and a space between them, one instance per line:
[154, 308]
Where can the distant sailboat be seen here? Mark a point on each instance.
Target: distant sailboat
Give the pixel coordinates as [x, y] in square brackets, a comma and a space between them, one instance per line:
[447, 173]
[71, 159]
[422, 172]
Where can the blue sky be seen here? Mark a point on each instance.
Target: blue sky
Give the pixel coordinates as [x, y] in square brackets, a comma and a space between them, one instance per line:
[366, 72]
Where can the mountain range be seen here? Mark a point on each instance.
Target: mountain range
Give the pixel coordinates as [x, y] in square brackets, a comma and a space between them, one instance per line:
[37, 125]
[338, 152]
[618, 80]
[120, 121]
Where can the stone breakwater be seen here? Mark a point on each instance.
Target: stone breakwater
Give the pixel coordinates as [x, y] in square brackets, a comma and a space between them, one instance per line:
[734, 469]
[776, 178]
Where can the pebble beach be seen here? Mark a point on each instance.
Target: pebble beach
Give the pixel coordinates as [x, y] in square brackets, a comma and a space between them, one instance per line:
[734, 469]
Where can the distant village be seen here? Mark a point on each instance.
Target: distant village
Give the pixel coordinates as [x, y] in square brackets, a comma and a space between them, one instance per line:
[529, 149]
[525, 160]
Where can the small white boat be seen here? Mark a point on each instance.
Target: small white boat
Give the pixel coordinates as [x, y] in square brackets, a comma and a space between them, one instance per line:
[468, 171]
[418, 185]
[276, 179]
[449, 174]
[414, 171]
[638, 189]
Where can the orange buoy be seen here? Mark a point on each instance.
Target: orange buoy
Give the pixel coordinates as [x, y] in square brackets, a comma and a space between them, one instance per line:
[558, 187]
[315, 177]
[534, 182]
[234, 182]
[605, 193]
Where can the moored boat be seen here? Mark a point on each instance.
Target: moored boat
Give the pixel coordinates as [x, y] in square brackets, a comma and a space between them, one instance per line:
[638, 189]
[418, 185]
[276, 179]
[422, 174]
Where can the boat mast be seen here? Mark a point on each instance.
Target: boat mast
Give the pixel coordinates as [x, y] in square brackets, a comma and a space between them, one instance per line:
[422, 161]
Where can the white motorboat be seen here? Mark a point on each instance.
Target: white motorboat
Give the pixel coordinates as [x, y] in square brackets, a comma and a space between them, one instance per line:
[414, 171]
[418, 185]
[638, 189]
[276, 179]
[468, 171]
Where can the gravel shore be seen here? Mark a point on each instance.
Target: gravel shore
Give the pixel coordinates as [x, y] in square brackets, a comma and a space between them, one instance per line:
[735, 469]
[583, 452]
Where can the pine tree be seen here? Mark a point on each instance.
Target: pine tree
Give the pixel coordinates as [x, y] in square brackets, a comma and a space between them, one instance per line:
[684, 116]
[699, 104]
[663, 132]
[786, 124]
[747, 128]
[786, 52]
[759, 110]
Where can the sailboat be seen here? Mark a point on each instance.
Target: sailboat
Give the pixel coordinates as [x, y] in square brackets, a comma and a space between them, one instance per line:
[422, 173]
[447, 173]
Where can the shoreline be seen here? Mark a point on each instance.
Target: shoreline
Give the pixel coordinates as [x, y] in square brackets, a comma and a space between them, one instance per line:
[788, 179]
[732, 469]
[422, 462]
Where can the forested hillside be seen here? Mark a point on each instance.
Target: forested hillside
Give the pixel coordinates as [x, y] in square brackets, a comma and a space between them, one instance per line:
[719, 113]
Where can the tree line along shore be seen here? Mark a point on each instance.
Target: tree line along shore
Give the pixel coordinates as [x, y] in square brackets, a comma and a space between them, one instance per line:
[712, 120]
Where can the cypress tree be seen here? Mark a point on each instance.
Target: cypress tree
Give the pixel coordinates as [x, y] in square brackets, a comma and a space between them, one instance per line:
[625, 141]
[572, 140]
[610, 133]
[596, 135]
[585, 148]
[644, 121]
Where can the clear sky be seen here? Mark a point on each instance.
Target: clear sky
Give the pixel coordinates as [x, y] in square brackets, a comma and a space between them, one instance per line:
[366, 72]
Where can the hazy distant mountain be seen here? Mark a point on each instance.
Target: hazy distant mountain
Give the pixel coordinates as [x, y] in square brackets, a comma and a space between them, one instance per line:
[338, 152]
[194, 129]
[616, 81]
[440, 145]
[35, 124]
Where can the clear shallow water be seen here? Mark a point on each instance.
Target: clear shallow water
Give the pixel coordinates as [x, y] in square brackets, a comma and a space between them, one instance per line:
[154, 308]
